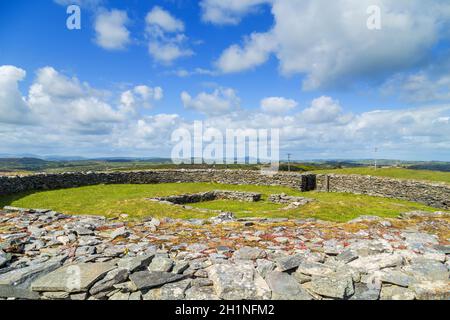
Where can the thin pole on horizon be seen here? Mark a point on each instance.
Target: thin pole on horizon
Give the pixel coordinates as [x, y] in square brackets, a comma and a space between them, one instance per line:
[376, 164]
[289, 162]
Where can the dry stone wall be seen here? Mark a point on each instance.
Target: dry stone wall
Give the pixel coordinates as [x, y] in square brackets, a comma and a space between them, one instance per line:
[11, 185]
[433, 194]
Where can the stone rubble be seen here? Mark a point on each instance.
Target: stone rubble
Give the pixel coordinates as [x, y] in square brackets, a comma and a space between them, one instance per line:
[51, 256]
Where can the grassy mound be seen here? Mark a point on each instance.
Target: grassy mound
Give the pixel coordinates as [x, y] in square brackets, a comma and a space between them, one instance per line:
[113, 200]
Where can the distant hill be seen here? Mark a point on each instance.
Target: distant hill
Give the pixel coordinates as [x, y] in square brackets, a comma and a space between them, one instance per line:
[26, 164]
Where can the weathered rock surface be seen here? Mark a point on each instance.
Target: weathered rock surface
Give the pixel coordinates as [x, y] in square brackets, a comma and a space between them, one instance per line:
[46, 255]
[336, 286]
[285, 287]
[72, 278]
[148, 280]
[239, 281]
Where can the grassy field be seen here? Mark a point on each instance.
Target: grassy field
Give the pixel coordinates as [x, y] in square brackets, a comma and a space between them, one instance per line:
[399, 173]
[113, 200]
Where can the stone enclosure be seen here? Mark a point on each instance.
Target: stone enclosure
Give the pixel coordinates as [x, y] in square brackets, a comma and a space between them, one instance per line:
[433, 194]
[51, 256]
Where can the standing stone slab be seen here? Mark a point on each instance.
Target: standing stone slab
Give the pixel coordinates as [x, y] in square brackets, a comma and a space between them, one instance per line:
[285, 287]
[73, 278]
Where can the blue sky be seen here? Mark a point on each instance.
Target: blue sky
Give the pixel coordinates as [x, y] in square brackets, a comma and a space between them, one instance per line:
[335, 88]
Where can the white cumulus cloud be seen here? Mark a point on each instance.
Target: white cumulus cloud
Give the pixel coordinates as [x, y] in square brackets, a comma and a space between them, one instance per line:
[111, 30]
[220, 101]
[224, 12]
[278, 105]
[167, 41]
[329, 43]
[13, 107]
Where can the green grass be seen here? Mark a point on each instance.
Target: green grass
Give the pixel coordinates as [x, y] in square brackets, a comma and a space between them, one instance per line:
[113, 200]
[399, 173]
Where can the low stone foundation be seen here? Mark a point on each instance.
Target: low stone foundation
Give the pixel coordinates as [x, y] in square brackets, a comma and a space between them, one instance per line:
[211, 196]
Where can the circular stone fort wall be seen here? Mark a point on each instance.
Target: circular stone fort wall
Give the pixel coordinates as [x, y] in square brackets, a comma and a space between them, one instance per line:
[432, 194]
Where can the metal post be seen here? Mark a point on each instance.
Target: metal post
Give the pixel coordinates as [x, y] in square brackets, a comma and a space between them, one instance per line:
[289, 162]
[376, 164]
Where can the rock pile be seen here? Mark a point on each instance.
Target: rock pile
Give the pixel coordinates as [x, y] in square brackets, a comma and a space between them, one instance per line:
[48, 255]
[293, 202]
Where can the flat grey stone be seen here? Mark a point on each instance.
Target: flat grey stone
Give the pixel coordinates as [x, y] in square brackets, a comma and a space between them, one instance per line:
[128, 286]
[376, 262]
[364, 248]
[264, 266]
[285, 287]
[73, 278]
[135, 296]
[120, 232]
[180, 267]
[427, 270]
[363, 292]
[238, 282]
[170, 291]
[137, 263]
[347, 256]
[56, 295]
[201, 282]
[396, 293]
[415, 239]
[396, 277]
[201, 293]
[290, 262]
[432, 290]
[113, 277]
[442, 248]
[10, 291]
[333, 286]
[249, 253]
[161, 264]
[314, 269]
[23, 277]
[78, 296]
[148, 280]
[122, 296]
[81, 231]
[4, 258]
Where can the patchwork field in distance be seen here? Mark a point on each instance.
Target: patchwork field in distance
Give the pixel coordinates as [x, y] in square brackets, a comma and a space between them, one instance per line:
[114, 200]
